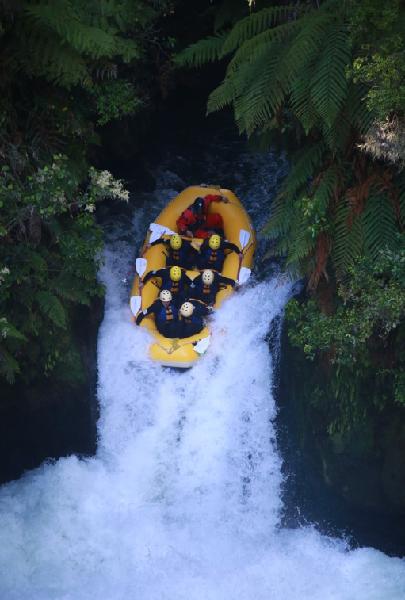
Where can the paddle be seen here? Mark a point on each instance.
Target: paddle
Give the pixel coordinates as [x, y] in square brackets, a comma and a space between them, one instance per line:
[201, 346]
[244, 274]
[157, 231]
[140, 266]
[135, 304]
[244, 237]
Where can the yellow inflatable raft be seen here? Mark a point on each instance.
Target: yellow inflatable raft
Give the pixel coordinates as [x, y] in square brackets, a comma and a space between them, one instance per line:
[184, 352]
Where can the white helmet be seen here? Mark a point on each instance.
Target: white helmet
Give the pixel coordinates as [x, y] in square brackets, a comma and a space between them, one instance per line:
[186, 309]
[165, 295]
[208, 277]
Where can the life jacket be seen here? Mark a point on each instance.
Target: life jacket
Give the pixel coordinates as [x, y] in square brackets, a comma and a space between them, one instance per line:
[213, 258]
[173, 286]
[206, 289]
[165, 313]
[176, 256]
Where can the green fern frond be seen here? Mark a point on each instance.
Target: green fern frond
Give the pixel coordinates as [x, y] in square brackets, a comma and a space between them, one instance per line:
[365, 234]
[202, 52]
[327, 189]
[306, 46]
[256, 23]
[348, 239]
[255, 47]
[51, 307]
[329, 83]
[303, 168]
[57, 63]
[222, 96]
[339, 134]
[282, 213]
[259, 100]
[63, 19]
[379, 224]
[302, 246]
[359, 114]
[301, 101]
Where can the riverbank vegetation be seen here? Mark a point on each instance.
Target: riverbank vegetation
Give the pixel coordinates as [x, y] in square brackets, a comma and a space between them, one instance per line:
[327, 79]
[67, 69]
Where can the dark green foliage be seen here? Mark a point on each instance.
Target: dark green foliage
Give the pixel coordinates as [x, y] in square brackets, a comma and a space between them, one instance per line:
[320, 74]
[204, 51]
[67, 68]
[49, 241]
[291, 68]
[362, 337]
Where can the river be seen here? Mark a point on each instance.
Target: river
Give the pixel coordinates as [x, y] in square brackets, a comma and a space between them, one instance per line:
[183, 498]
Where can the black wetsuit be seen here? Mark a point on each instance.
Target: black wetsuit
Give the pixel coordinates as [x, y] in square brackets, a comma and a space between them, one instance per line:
[166, 318]
[185, 257]
[214, 259]
[207, 293]
[177, 288]
[191, 325]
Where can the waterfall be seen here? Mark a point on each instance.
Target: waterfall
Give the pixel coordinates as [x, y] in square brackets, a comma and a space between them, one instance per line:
[183, 499]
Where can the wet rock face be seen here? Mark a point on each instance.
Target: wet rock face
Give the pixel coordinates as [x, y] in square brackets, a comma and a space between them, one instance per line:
[53, 418]
[366, 468]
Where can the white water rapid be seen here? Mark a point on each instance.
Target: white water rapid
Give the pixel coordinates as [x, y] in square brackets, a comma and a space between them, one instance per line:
[182, 500]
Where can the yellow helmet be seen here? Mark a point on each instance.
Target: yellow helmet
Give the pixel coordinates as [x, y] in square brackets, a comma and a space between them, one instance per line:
[175, 242]
[175, 273]
[207, 277]
[214, 242]
[186, 309]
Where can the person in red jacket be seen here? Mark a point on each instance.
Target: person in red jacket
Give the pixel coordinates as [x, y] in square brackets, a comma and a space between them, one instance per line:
[196, 221]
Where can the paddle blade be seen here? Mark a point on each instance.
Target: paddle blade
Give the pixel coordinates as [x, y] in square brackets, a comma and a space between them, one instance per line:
[135, 304]
[140, 266]
[202, 345]
[244, 237]
[157, 231]
[244, 275]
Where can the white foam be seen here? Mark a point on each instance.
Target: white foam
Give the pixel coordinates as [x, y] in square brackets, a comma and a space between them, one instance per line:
[182, 501]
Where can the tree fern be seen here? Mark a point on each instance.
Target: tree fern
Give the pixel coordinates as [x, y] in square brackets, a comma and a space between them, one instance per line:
[348, 239]
[329, 83]
[327, 190]
[256, 23]
[301, 102]
[303, 167]
[306, 45]
[260, 43]
[378, 223]
[258, 101]
[365, 234]
[67, 25]
[202, 52]
[297, 63]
